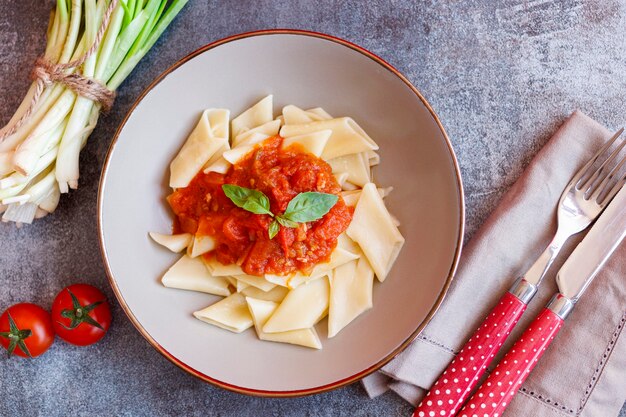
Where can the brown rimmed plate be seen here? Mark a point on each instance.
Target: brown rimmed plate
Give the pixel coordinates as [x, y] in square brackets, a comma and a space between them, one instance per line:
[309, 70]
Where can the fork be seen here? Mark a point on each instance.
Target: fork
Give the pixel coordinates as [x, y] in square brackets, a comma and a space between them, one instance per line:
[584, 198]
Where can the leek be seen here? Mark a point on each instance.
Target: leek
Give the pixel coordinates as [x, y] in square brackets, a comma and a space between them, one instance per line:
[40, 160]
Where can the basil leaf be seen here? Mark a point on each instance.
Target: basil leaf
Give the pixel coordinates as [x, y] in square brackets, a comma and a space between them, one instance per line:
[273, 229]
[286, 222]
[258, 207]
[251, 200]
[307, 207]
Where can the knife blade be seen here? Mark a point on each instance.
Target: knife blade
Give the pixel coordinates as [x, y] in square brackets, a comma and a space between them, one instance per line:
[592, 253]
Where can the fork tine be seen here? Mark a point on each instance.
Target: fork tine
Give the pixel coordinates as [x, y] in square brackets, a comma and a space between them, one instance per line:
[598, 181]
[618, 186]
[585, 170]
[603, 186]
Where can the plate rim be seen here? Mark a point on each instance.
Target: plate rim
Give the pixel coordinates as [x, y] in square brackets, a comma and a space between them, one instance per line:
[322, 388]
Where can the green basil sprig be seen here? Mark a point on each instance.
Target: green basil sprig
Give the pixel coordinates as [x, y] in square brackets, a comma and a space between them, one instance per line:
[251, 200]
[273, 229]
[305, 207]
[308, 207]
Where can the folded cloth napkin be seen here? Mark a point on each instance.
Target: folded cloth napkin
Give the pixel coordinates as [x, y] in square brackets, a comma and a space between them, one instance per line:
[583, 373]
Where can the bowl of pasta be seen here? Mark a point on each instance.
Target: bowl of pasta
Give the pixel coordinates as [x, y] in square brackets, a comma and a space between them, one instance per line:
[280, 213]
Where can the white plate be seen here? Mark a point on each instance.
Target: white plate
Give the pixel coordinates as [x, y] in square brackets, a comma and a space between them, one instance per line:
[308, 70]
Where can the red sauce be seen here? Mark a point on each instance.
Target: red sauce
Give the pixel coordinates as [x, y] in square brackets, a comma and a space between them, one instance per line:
[242, 237]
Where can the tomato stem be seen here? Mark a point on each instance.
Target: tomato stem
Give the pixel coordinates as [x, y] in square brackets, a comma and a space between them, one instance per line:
[80, 314]
[16, 337]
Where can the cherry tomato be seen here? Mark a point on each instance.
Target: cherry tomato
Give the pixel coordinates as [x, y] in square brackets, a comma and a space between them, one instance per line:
[26, 330]
[81, 314]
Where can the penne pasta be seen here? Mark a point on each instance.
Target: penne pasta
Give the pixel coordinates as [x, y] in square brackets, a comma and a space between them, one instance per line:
[351, 197]
[235, 154]
[258, 114]
[374, 230]
[293, 115]
[287, 281]
[301, 308]
[355, 165]
[252, 138]
[320, 113]
[201, 245]
[230, 313]
[282, 302]
[209, 136]
[344, 242]
[175, 243]
[261, 310]
[240, 285]
[221, 165]
[276, 294]
[341, 178]
[258, 134]
[220, 270]
[351, 287]
[257, 282]
[191, 274]
[348, 186]
[214, 164]
[242, 148]
[339, 257]
[347, 137]
[311, 142]
[218, 154]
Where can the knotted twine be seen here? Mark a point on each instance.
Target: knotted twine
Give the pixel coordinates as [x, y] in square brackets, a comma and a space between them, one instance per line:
[45, 73]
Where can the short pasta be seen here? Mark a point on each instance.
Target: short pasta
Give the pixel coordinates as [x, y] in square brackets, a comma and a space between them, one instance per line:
[283, 299]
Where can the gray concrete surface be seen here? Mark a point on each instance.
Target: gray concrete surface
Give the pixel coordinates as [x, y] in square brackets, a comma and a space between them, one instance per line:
[502, 76]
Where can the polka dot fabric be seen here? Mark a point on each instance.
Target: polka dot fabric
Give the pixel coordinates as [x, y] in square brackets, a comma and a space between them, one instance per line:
[450, 391]
[497, 391]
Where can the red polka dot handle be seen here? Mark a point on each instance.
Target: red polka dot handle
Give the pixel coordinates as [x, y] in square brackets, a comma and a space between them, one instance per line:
[498, 390]
[453, 387]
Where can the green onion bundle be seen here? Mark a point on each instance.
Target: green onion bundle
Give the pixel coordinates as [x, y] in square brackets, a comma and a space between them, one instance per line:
[40, 145]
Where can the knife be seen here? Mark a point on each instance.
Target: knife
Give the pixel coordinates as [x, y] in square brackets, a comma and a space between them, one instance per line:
[572, 279]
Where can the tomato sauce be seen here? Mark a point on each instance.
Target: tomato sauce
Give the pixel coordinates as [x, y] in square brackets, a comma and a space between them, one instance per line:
[242, 237]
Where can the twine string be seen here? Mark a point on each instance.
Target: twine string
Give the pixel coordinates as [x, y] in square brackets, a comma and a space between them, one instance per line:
[45, 73]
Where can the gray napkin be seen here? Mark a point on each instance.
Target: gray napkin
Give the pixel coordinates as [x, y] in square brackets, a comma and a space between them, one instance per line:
[583, 373]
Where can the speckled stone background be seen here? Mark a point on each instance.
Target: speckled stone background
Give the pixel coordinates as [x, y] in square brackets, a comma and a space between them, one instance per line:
[502, 75]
